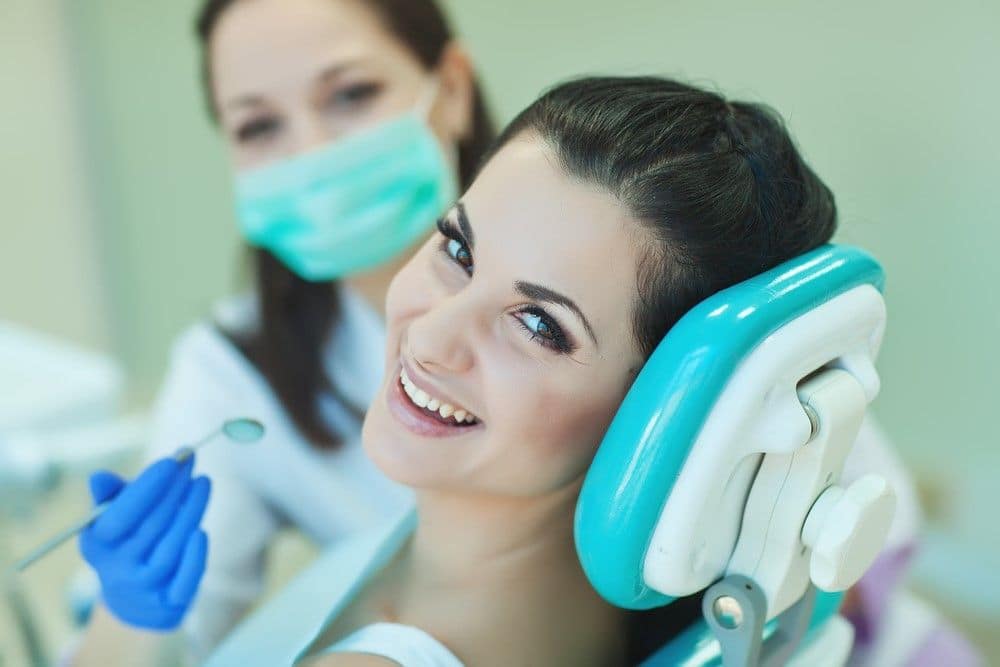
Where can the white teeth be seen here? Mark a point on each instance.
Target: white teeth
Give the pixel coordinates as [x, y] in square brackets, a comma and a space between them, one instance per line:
[424, 400]
[420, 397]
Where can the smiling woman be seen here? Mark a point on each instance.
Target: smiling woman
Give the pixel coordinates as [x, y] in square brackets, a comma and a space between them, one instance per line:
[504, 313]
[607, 210]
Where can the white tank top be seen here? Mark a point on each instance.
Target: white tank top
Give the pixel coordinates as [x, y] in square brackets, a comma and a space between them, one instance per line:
[404, 644]
[283, 630]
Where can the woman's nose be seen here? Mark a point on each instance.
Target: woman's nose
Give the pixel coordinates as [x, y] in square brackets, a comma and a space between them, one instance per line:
[439, 339]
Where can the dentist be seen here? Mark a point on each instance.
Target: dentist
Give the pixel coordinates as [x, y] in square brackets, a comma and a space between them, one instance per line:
[352, 126]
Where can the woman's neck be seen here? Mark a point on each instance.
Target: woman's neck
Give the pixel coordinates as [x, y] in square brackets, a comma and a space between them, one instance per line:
[461, 534]
[506, 563]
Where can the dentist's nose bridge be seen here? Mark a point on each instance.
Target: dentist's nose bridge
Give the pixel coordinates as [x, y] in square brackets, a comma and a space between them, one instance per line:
[309, 129]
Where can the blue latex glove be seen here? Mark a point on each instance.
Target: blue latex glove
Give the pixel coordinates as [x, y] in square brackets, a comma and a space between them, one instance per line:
[147, 547]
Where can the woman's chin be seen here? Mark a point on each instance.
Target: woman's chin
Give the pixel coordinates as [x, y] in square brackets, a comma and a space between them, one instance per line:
[401, 456]
[413, 448]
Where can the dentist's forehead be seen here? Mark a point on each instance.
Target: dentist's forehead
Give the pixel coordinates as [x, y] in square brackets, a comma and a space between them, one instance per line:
[534, 222]
[275, 46]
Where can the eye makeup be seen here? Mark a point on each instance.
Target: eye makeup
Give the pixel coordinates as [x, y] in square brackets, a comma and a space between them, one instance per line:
[543, 328]
[534, 320]
[454, 245]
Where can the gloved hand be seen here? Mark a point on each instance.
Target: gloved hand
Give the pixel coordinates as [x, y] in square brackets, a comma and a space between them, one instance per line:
[147, 547]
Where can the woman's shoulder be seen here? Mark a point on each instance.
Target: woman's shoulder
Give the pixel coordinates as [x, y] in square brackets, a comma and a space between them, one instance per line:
[208, 346]
[207, 379]
[354, 356]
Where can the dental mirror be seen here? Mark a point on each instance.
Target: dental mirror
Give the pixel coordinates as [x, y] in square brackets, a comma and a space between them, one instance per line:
[242, 430]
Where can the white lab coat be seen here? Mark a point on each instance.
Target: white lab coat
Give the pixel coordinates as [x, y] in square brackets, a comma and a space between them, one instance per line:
[280, 481]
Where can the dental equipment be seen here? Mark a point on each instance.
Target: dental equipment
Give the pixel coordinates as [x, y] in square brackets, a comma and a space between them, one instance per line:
[721, 470]
[242, 430]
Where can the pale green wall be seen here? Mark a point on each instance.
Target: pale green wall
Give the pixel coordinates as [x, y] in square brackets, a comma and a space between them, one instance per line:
[895, 104]
[50, 276]
[160, 176]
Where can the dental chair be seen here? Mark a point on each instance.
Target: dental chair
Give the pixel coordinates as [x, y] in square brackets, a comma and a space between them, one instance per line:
[720, 471]
[722, 468]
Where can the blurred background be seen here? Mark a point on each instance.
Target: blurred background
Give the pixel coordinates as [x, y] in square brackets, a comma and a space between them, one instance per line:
[118, 228]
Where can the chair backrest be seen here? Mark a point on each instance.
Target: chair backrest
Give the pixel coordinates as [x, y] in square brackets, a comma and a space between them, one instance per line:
[648, 453]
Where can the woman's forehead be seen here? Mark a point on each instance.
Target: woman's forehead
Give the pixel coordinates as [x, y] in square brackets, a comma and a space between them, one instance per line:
[534, 222]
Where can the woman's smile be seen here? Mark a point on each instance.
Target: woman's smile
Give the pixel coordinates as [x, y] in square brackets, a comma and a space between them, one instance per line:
[424, 411]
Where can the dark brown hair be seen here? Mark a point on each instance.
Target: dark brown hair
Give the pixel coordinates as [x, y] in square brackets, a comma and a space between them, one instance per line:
[718, 184]
[296, 315]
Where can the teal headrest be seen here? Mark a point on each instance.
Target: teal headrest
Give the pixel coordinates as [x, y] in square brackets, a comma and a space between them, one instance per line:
[648, 441]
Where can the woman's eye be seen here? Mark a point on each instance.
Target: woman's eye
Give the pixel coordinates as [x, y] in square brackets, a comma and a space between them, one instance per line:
[543, 328]
[460, 254]
[454, 246]
[354, 95]
[258, 128]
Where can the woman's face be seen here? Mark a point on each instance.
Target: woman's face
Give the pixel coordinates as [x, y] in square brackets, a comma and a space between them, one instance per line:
[292, 75]
[516, 312]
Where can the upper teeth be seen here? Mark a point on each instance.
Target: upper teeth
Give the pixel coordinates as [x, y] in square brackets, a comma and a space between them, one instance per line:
[425, 400]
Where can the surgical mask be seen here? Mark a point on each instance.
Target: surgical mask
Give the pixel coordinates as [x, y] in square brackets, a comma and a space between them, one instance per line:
[353, 204]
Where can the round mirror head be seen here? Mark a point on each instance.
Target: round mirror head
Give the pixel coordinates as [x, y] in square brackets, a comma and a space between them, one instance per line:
[243, 430]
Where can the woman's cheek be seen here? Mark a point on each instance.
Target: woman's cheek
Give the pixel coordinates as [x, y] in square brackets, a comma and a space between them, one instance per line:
[562, 431]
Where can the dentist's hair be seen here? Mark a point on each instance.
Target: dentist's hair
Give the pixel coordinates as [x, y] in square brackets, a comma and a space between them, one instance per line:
[296, 316]
[719, 185]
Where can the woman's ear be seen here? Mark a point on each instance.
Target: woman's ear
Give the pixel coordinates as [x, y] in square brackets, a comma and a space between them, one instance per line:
[452, 112]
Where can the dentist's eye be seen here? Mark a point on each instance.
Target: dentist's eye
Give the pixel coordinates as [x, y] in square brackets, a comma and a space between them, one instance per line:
[543, 328]
[455, 246]
[256, 129]
[355, 95]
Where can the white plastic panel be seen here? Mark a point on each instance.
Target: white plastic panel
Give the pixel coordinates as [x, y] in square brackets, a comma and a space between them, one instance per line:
[758, 412]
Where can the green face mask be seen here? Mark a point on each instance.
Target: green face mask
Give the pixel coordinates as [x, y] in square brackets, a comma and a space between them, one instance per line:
[351, 205]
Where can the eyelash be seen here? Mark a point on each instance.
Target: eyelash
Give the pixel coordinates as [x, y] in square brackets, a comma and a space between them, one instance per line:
[451, 234]
[355, 95]
[557, 341]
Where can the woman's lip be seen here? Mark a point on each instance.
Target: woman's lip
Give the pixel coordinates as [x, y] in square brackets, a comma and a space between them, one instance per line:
[420, 383]
[416, 420]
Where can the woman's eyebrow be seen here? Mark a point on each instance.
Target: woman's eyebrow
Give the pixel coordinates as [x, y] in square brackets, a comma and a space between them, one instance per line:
[540, 293]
